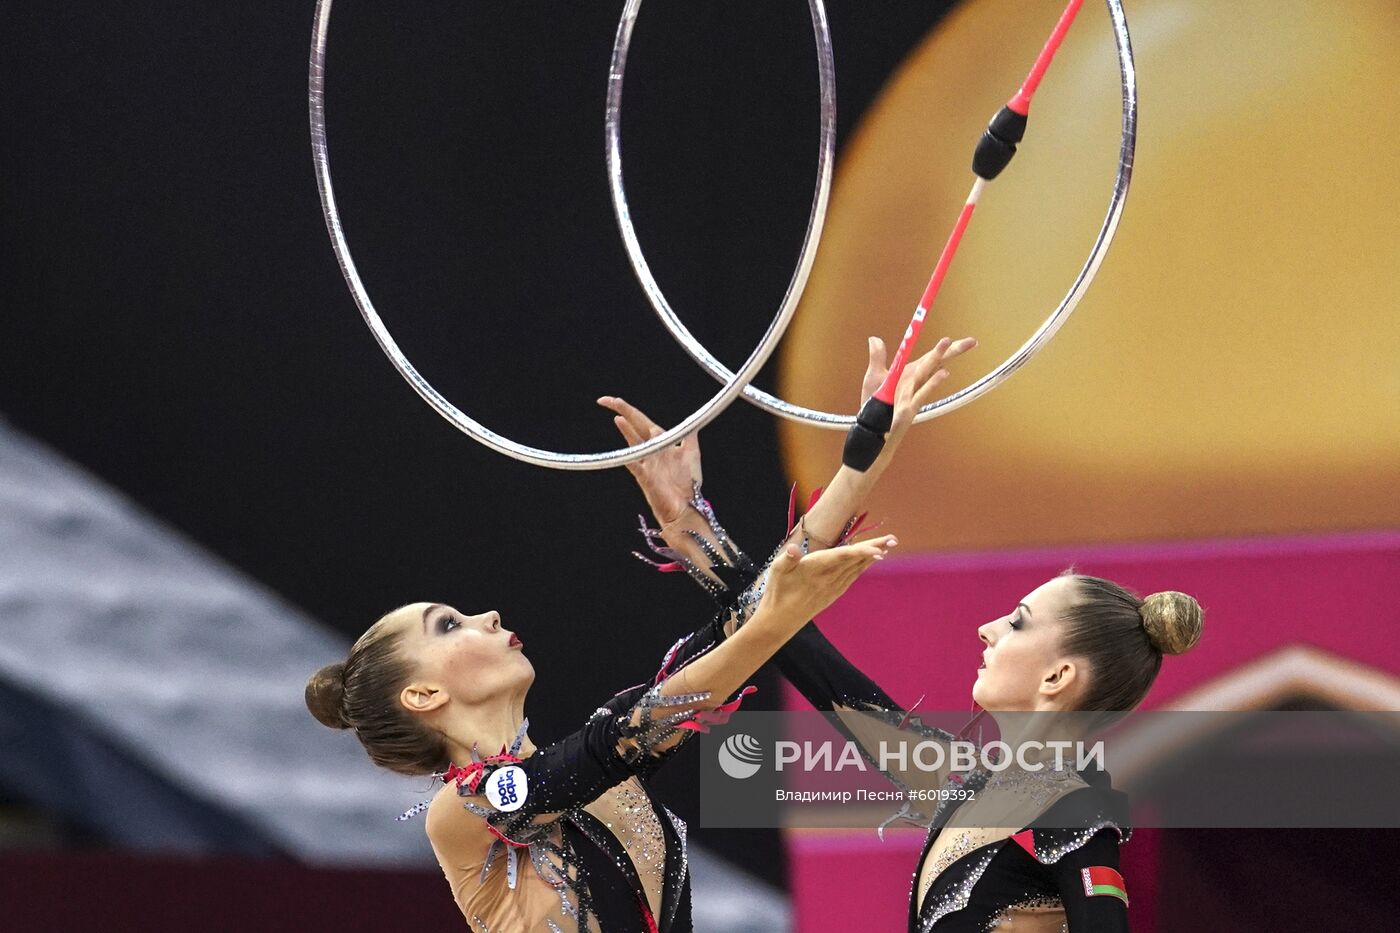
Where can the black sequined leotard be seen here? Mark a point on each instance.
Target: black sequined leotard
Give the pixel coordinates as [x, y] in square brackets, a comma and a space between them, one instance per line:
[1057, 871]
[577, 843]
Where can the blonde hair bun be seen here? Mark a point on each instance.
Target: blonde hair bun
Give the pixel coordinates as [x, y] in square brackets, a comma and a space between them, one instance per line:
[1173, 621]
[325, 696]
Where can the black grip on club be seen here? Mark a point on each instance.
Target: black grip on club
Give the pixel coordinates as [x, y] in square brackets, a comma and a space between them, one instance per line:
[866, 438]
[998, 143]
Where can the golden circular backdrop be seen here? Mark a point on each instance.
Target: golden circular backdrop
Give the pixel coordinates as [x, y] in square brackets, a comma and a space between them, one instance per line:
[1235, 368]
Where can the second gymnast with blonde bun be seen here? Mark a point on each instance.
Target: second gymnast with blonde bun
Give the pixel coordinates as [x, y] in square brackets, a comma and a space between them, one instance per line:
[1034, 849]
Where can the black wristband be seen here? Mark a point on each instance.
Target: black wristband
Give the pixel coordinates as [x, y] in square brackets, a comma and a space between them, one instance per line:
[867, 438]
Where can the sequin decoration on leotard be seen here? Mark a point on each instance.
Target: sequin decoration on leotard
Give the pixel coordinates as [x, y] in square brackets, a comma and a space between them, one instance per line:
[639, 831]
[957, 895]
[1035, 786]
[1042, 904]
[963, 843]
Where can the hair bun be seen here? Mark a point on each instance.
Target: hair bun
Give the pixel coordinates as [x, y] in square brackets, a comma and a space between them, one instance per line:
[1173, 621]
[325, 696]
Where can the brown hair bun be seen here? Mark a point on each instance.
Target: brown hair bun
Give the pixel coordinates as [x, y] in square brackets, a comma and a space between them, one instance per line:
[1173, 621]
[325, 696]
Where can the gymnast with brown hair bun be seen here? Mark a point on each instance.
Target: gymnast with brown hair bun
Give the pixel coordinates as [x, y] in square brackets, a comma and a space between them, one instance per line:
[566, 837]
[1035, 849]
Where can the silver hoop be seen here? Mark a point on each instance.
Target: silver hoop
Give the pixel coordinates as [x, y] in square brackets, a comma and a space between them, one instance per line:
[733, 382]
[824, 419]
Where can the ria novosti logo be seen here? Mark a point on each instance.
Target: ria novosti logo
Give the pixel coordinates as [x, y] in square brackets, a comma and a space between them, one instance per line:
[740, 756]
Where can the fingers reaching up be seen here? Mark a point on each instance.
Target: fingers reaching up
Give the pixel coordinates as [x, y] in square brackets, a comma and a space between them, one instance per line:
[876, 369]
[920, 377]
[667, 477]
[918, 384]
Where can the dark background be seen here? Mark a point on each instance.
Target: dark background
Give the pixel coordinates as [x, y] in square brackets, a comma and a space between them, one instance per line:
[174, 320]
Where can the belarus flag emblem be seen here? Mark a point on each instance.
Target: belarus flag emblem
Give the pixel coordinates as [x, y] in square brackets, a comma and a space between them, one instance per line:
[1100, 879]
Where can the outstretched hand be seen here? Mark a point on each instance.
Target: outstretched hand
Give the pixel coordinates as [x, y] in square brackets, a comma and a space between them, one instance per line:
[801, 586]
[919, 382]
[667, 477]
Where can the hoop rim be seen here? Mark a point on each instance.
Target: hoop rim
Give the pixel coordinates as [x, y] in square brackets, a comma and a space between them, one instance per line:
[734, 383]
[830, 420]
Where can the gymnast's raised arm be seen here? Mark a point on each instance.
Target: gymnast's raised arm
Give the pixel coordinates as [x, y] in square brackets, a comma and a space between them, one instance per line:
[696, 541]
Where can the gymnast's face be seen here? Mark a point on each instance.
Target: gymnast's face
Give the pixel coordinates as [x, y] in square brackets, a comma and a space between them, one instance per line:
[1023, 669]
[467, 659]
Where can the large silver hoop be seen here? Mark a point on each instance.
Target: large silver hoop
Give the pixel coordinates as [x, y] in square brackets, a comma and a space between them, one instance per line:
[825, 419]
[734, 383]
